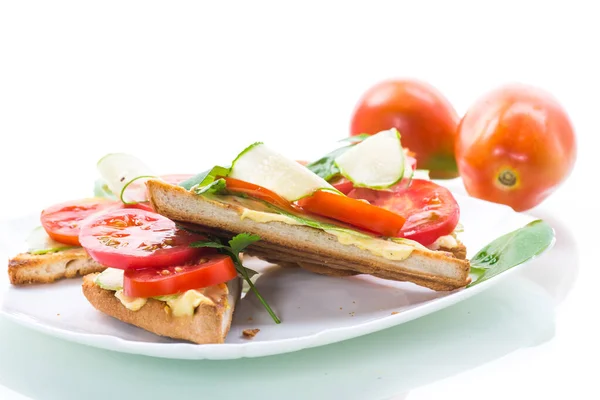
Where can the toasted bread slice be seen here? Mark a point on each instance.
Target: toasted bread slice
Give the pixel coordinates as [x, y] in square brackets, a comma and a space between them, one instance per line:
[306, 245]
[209, 324]
[25, 268]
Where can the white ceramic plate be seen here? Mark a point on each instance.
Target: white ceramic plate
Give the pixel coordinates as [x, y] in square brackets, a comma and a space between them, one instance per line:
[315, 310]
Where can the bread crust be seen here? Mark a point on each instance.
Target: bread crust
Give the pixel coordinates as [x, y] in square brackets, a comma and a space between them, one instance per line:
[26, 269]
[302, 244]
[204, 327]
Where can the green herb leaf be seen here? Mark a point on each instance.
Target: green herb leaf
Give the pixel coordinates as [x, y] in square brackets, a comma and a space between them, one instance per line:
[213, 187]
[205, 178]
[511, 249]
[205, 243]
[241, 241]
[236, 245]
[325, 167]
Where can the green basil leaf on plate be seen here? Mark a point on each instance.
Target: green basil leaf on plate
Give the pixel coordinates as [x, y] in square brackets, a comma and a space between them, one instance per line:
[510, 250]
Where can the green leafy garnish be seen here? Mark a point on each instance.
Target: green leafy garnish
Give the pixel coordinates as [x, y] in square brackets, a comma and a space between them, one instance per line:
[205, 178]
[511, 249]
[325, 166]
[212, 188]
[233, 248]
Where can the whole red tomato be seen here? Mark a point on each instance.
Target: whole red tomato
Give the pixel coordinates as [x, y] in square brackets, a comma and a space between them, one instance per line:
[427, 122]
[515, 145]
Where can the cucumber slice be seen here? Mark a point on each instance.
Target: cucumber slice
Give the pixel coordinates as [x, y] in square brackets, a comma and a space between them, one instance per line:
[101, 190]
[110, 279]
[120, 171]
[264, 167]
[377, 162]
[38, 242]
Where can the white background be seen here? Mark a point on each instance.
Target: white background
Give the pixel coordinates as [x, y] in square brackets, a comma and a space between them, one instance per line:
[184, 85]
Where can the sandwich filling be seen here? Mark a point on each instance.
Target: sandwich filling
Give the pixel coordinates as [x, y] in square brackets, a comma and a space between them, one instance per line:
[180, 304]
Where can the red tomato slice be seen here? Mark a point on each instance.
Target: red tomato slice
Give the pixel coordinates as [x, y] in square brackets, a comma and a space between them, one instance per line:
[343, 185]
[132, 238]
[207, 271]
[145, 205]
[258, 192]
[62, 221]
[354, 212]
[430, 209]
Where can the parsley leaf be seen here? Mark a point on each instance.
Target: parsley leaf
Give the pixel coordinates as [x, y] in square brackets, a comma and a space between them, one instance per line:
[236, 245]
[243, 240]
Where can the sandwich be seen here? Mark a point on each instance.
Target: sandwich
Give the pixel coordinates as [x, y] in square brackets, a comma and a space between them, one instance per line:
[157, 279]
[290, 240]
[335, 217]
[166, 254]
[53, 248]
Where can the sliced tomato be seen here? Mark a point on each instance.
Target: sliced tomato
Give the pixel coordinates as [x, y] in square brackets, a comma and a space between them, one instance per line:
[430, 209]
[132, 238]
[354, 212]
[144, 205]
[204, 272]
[62, 221]
[343, 185]
[258, 192]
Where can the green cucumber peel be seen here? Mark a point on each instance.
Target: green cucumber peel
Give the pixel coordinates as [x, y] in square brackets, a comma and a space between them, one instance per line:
[510, 250]
[355, 139]
[246, 150]
[39, 243]
[325, 166]
[52, 250]
[362, 153]
[122, 194]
